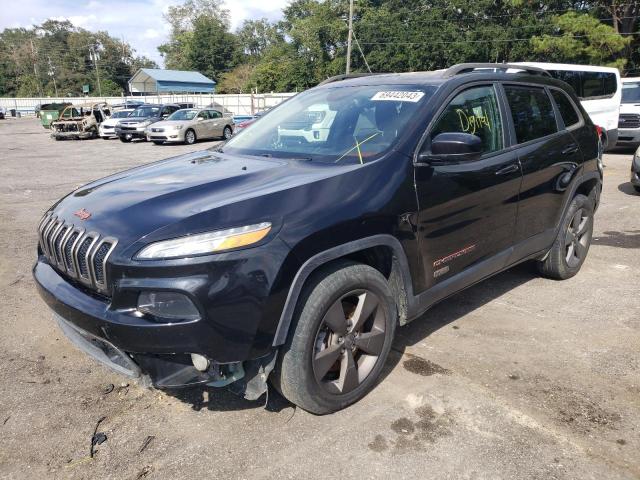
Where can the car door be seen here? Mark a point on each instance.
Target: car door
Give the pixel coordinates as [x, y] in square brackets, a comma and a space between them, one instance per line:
[467, 210]
[549, 156]
[202, 124]
[217, 123]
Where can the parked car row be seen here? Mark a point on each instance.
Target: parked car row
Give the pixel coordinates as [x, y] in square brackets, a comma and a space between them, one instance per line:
[174, 122]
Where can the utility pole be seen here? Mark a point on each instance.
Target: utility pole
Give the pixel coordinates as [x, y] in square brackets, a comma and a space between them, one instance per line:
[349, 37]
[94, 56]
[52, 74]
[35, 67]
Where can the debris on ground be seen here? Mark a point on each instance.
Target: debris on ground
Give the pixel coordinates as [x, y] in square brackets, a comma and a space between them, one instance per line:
[98, 438]
[146, 443]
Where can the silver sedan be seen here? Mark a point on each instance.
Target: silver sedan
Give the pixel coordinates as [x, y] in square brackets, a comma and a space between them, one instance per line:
[191, 124]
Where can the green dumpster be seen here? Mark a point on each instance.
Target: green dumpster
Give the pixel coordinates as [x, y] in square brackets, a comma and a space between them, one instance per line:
[50, 113]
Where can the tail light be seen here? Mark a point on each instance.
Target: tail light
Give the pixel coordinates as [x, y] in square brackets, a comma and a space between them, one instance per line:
[599, 130]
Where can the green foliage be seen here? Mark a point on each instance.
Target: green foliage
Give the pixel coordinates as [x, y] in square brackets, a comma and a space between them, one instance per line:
[55, 56]
[581, 38]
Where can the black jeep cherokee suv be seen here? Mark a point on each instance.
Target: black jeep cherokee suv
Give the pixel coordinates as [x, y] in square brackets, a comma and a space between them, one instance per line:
[296, 249]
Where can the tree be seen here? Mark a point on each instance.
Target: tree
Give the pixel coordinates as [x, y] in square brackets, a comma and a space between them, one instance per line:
[237, 80]
[211, 48]
[581, 38]
[183, 20]
[255, 36]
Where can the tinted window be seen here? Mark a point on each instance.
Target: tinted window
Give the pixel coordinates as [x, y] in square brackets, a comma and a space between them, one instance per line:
[474, 111]
[631, 92]
[532, 112]
[565, 107]
[589, 84]
[572, 78]
[598, 84]
[214, 114]
[204, 114]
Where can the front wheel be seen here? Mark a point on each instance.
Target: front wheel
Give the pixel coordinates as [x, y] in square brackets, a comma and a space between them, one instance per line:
[125, 138]
[570, 249]
[189, 137]
[340, 338]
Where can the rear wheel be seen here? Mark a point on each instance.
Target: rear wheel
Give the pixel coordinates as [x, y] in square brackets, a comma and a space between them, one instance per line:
[572, 244]
[189, 137]
[340, 339]
[227, 133]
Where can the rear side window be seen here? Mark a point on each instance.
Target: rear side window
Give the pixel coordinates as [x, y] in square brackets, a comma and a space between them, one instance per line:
[589, 85]
[532, 112]
[473, 111]
[566, 108]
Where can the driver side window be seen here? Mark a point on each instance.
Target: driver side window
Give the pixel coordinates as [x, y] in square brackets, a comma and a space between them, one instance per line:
[474, 111]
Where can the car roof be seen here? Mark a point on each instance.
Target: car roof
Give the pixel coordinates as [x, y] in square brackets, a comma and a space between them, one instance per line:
[569, 66]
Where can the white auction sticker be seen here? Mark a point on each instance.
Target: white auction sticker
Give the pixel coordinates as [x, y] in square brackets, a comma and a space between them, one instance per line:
[398, 96]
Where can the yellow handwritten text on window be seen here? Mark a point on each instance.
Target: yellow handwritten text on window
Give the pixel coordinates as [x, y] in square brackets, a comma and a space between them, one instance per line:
[472, 123]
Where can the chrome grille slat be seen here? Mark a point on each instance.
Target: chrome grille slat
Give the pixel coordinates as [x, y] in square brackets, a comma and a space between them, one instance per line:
[76, 253]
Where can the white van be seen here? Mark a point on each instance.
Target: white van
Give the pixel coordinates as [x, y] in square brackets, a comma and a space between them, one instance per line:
[629, 124]
[599, 90]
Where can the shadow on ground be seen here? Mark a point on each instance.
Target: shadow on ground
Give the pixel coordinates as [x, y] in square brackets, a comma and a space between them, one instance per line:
[627, 188]
[630, 239]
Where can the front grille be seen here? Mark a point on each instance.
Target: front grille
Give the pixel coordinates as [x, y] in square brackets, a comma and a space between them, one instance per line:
[78, 254]
[132, 129]
[629, 120]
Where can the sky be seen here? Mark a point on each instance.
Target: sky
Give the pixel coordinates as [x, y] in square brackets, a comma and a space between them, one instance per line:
[139, 22]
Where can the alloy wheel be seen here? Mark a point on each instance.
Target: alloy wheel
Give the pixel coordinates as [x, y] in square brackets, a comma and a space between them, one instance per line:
[227, 133]
[190, 137]
[349, 342]
[577, 239]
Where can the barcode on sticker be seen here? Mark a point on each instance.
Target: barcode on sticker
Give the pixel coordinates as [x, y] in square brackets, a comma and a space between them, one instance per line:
[398, 96]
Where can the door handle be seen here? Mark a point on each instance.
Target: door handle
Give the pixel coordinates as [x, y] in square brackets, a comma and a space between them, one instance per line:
[573, 148]
[513, 168]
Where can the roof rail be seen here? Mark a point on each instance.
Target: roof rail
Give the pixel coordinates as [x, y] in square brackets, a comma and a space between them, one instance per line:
[470, 67]
[339, 78]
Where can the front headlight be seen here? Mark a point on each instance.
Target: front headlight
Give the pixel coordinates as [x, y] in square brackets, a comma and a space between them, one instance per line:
[204, 243]
[178, 127]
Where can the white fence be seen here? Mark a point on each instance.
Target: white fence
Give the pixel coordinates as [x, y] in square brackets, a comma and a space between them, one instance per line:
[243, 104]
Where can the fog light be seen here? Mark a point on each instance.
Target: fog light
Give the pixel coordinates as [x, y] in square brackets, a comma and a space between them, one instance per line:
[201, 363]
[171, 306]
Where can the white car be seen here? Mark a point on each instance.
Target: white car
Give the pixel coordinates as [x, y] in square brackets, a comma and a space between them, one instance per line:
[312, 125]
[629, 124]
[107, 128]
[599, 90]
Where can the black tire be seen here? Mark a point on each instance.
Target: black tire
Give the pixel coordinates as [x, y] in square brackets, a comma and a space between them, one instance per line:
[124, 139]
[190, 137]
[158, 142]
[227, 133]
[637, 188]
[304, 373]
[571, 246]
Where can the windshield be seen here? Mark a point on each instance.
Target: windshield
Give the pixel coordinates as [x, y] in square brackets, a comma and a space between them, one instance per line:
[331, 125]
[146, 112]
[183, 115]
[120, 114]
[631, 92]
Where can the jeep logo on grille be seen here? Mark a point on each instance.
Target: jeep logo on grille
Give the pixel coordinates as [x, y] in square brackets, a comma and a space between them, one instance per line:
[82, 214]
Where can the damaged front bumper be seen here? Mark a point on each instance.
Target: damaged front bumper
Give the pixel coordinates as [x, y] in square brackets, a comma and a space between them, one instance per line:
[137, 348]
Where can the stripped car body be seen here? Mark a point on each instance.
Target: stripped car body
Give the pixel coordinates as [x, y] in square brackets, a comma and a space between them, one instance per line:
[80, 122]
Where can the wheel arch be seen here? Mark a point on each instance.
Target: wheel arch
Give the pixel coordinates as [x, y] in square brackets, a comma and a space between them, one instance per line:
[382, 252]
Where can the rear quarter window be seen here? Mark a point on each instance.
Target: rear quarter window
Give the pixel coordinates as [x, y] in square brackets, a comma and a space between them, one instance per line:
[589, 85]
[531, 111]
[567, 110]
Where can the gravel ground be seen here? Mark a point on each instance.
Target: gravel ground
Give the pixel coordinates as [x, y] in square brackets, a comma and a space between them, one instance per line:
[518, 377]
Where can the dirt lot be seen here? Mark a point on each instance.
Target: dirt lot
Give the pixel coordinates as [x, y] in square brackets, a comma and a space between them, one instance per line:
[518, 377]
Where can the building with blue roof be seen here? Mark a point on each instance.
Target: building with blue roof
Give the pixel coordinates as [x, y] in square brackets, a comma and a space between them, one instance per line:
[154, 80]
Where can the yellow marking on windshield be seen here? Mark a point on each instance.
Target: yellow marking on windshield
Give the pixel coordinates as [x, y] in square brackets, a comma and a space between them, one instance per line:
[357, 147]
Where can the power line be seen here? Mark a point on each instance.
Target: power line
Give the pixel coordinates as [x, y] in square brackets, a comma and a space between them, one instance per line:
[493, 40]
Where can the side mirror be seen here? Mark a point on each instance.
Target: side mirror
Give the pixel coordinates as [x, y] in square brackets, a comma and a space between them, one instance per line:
[453, 147]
